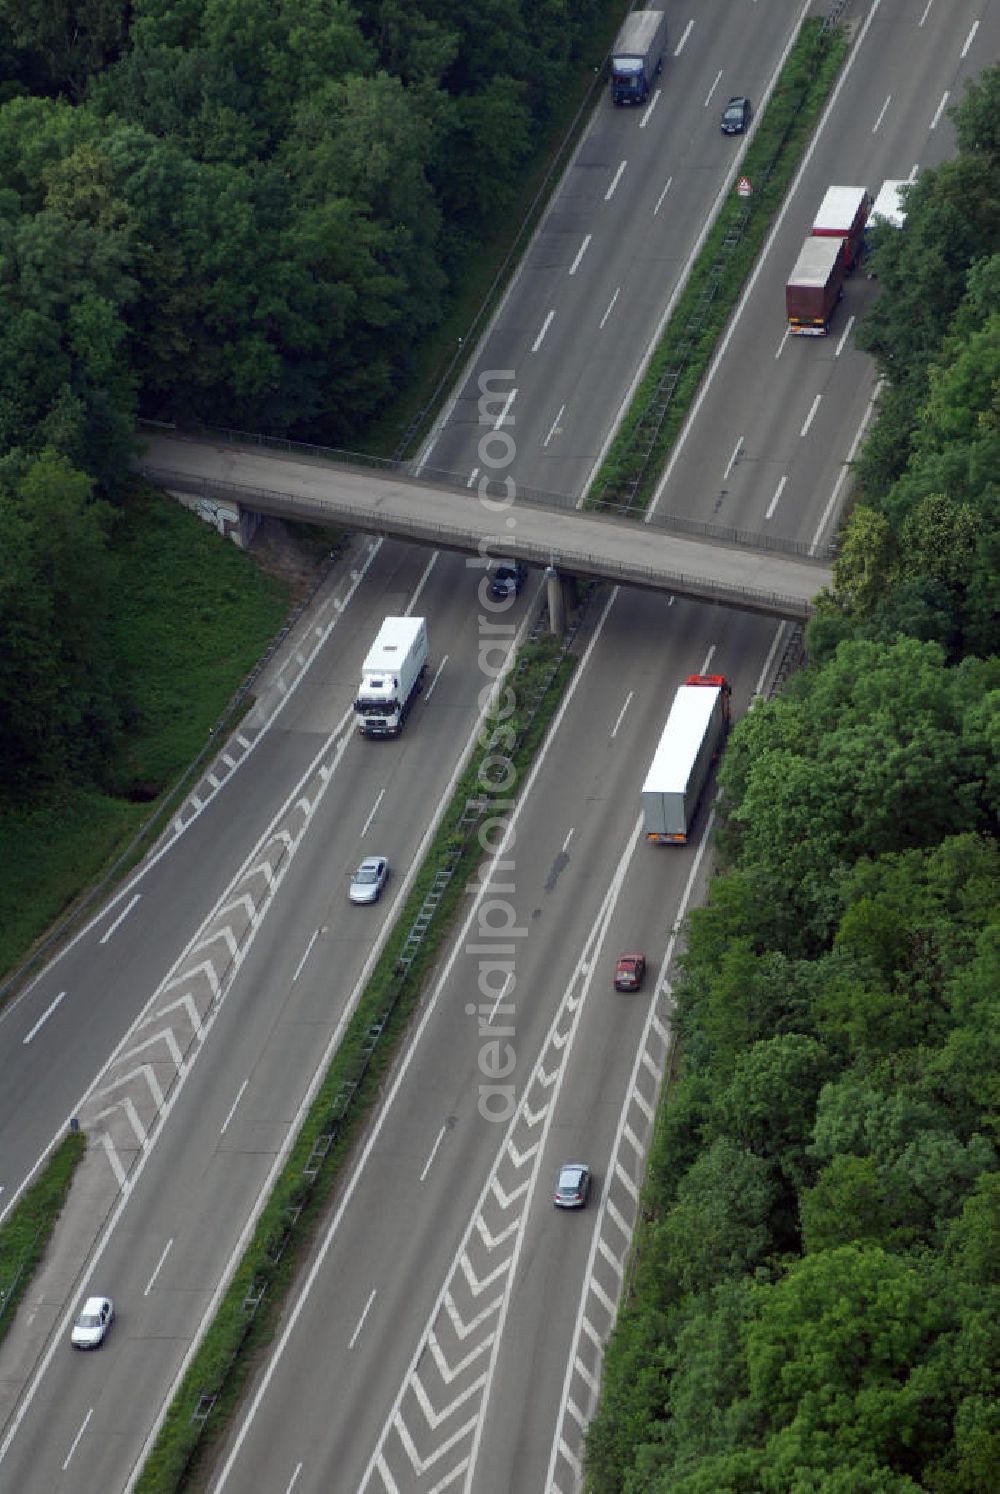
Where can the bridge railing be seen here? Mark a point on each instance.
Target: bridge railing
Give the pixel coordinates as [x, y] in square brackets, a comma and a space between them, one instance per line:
[425, 531]
[724, 534]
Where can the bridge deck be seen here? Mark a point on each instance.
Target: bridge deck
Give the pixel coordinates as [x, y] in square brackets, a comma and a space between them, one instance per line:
[578, 543]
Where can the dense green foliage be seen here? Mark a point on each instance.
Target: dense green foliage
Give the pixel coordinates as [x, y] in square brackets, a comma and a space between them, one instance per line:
[245, 211]
[818, 1290]
[922, 552]
[119, 662]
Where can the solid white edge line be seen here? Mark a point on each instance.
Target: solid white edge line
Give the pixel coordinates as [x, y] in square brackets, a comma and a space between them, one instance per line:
[845, 469]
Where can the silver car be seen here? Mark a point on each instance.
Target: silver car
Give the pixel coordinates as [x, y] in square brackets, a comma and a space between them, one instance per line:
[369, 879]
[573, 1187]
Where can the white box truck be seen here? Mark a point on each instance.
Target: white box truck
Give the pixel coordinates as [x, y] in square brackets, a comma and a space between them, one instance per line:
[392, 676]
[691, 741]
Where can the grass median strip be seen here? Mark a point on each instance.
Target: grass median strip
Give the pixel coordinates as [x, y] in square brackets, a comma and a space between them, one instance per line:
[249, 1311]
[629, 473]
[26, 1231]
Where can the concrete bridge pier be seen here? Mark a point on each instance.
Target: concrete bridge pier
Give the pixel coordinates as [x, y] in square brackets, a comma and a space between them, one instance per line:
[561, 597]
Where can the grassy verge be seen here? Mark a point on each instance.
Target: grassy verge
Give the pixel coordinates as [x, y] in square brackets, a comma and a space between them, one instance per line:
[194, 615]
[487, 272]
[26, 1232]
[248, 1313]
[635, 460]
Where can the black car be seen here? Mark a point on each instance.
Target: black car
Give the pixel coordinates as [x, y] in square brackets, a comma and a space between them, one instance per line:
[736, 116]
[506, 578]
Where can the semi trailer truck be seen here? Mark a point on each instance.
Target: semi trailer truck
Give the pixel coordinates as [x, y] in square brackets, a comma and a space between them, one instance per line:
[835, 244]
[637, 56]
[814, 287]
[392, 676]
[692, 739]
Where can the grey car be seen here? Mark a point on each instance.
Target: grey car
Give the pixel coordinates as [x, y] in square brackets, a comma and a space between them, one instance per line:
[369, 879]
[573, 1187]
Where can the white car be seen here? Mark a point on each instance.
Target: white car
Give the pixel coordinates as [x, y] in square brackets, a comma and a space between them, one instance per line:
[92, 1325]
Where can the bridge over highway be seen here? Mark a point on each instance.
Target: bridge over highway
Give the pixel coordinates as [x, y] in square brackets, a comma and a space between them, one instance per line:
[747, 572]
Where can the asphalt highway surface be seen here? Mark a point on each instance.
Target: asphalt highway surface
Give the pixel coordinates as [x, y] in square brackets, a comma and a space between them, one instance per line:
[447, 1332]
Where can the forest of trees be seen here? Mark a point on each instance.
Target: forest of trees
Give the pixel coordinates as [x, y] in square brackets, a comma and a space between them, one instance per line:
[817, 1297]
[247, 210]
[243, 211]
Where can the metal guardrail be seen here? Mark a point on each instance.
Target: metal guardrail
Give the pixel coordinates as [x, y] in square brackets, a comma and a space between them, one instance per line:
[421, 531]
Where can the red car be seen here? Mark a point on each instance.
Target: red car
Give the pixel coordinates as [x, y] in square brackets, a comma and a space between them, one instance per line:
[629, 972]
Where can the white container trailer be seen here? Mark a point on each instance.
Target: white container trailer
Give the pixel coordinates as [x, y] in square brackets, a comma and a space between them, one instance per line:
[842, 215]
[692, 738]
[392, 676]
[888, 207]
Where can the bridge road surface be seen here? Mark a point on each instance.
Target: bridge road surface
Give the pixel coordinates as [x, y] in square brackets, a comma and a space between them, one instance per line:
[107, 985]
[294, 1434]
[581, 544]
